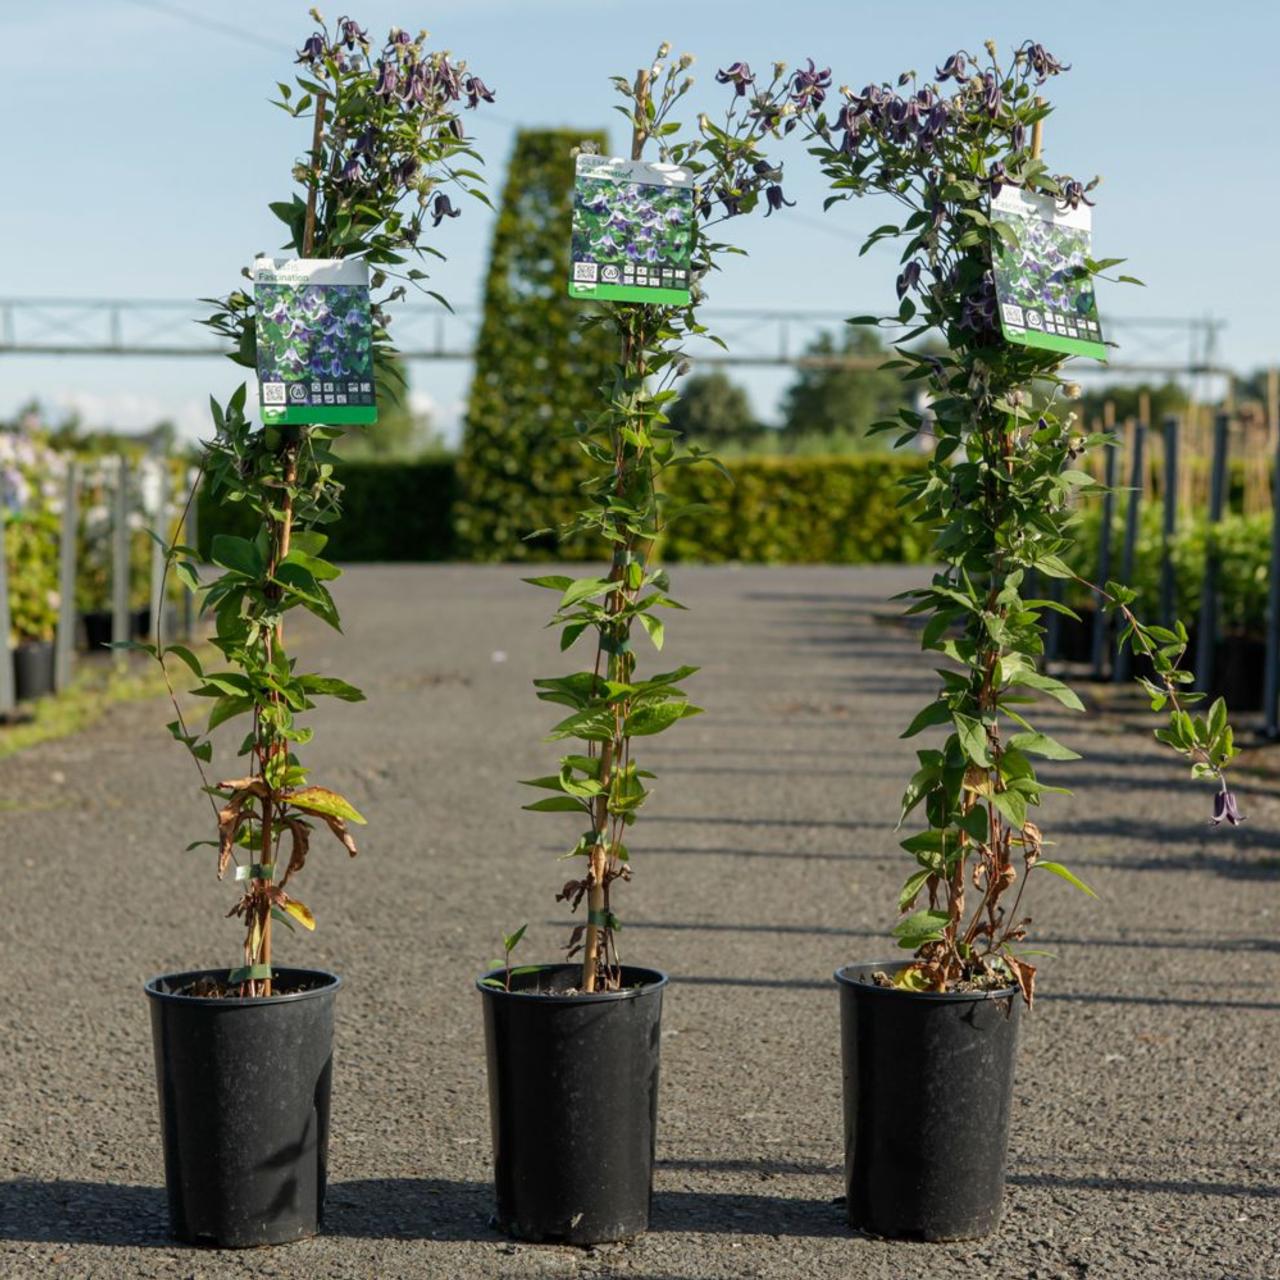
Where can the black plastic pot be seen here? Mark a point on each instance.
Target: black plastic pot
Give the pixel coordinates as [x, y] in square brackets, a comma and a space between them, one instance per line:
[32, 670]
[244, 1107]
[928, 1082]
[97, 629]
[573, 1103]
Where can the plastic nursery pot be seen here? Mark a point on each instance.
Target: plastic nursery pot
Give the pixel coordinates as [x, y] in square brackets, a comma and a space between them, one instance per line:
[97, 630]
[244, 1106]
[573, 1103]
[32, 670]
[928, 1082]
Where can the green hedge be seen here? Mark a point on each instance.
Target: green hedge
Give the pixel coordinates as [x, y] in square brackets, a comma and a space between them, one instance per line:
[391, 511]
[840, 510]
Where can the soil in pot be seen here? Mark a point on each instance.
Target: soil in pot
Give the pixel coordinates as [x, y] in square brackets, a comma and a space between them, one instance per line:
[928, 1086]
[32, 670]
[573, 1103]
[244, 1105]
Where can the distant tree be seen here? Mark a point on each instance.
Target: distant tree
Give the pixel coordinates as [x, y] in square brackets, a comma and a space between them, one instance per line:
[835, 401]
[713, 409]
[538, 371]
[400, 432]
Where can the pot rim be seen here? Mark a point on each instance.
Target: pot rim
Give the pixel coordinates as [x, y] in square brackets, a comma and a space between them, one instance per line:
[845, 977]
[659, 980]
[152, 990]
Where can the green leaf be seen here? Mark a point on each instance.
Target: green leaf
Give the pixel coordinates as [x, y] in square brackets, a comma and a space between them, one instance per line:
[937, 712]
[556, 804]
[185, 654]
[912, 888]
[331, 687]
[325, 802]
[511, 940]
[921, 927]
[584, 589]
[249, 972]
[973, 739]
[1070, 877]
[237, 554]
[1040, 744]
[654, 719]
[654, 627]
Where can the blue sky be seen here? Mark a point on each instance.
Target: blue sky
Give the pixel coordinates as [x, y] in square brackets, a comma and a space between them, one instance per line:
[140, 154]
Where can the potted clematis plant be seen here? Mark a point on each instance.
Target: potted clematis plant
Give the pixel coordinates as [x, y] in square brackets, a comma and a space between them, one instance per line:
[929, 1039]
[244, 1054]
[573, 1047]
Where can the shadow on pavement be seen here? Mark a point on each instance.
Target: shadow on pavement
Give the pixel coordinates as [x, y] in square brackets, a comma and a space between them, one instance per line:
[410, 1209]
[67, 1211]
[730, 1213]
[71, 1212]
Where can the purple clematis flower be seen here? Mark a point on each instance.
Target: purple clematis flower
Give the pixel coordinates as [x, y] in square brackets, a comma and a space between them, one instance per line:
[954, 68]
[351, 33]
[739, 75]
[809, 85]
[388, 79]
[476, 89]
[909, 278]
[1041, 61]
[441, 208]
[1225, 809]
[775, 199]
[351, 171]
[313, 50]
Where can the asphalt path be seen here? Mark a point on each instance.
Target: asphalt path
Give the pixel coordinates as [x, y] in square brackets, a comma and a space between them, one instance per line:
[1146, 1126]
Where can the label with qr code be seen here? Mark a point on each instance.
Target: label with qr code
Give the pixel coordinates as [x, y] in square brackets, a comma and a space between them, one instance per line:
[1044, 286]
[633, 230]
[314, 328]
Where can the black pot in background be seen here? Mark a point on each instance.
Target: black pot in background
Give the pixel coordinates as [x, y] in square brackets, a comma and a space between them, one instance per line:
[140, 623]
[573, 1103]
[32, 670]
[244, 1107]
[1239, 672]
[928, 1082]
[97, 629]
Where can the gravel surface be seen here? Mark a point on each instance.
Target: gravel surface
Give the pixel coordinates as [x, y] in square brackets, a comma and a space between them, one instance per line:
[1146, 1125]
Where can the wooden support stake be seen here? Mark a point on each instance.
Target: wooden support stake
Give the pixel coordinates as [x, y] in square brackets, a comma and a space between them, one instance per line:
[1169, 525]
[1207, 637]
[65, 644]
[120, 541]
[1133, 508]
[6, 653]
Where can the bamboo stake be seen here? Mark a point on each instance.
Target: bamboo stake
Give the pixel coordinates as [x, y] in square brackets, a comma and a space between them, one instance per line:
[597, 901]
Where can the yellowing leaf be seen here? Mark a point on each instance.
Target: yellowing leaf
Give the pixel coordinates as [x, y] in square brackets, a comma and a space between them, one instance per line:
[327, 803]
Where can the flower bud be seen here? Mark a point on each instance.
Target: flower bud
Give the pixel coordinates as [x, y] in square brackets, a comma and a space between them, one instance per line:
[664, 49]
[1073, 390]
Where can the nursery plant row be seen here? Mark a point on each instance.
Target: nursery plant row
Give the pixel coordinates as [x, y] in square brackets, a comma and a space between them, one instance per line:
[996, 267]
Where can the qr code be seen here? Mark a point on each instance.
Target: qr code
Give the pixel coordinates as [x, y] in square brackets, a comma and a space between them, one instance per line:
[585, 271]
[273, 393]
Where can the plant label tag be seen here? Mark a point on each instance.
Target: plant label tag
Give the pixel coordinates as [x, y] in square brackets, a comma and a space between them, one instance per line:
[315, 340]
[1044, 293]
[632, 231]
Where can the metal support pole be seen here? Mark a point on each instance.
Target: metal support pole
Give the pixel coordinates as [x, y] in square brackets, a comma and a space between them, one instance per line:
[64, 654]
[190, 534]
[120, 629]
[6, 653]
[1271, 683]
[1104, 562]
[1207, 639]
[1169, 526]
[161, 530]
[1132, 512]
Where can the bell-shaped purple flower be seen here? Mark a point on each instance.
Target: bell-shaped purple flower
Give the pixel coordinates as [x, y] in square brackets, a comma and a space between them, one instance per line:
[909, 278]
[351, 171]
[775, 199]
[351, 33]
[476, 91]
[809, 85]
[313, 50]
[388, 79]
[954, 68]
[737, 74]
[1041, 61]
[1226, 810]
[441, 208]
